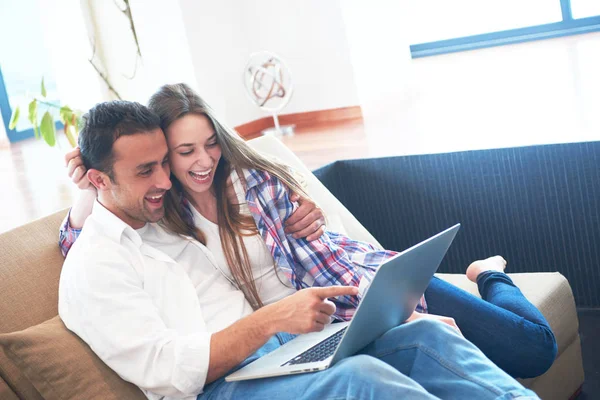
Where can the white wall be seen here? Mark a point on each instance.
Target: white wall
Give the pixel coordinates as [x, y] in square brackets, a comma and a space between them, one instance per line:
[205, 44]
[217, 45]
[530, 93]
[163, 44]
[308, 35]
[379, 50]
[68, 48]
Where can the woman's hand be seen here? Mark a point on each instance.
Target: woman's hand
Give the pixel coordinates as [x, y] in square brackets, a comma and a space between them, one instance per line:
[82, 207]
[307, 221]
[447, 320]
[76, 170]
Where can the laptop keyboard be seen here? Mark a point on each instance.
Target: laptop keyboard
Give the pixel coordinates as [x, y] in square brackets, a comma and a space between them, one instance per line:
[318, 352]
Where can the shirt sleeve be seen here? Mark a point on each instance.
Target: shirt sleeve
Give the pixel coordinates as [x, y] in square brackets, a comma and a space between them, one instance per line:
[105, 304]
[333, 259]
[67, 235]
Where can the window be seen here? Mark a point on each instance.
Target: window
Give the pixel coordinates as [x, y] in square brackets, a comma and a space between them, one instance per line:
[24, 62]
[443, 26]
[585, 8]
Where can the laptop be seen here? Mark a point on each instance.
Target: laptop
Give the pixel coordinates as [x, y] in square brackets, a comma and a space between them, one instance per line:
[391, 298]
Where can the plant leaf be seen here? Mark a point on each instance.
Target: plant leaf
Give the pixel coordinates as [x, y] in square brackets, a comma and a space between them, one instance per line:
[43, 88]
[48, 129]
[70, 133]
[32, 111]
[65, 114]
[15, 118]
[32, 117]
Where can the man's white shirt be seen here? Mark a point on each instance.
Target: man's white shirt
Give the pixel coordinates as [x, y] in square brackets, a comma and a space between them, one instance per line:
[147, 303]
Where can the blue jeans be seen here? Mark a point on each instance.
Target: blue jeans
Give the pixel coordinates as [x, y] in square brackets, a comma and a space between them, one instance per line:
[423, 359]
[503, 324]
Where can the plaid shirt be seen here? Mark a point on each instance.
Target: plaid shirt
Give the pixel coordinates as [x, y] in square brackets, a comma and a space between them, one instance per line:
[333, 259]
[67, 235]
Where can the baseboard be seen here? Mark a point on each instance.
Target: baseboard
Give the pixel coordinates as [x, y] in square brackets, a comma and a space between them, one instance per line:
[302, 120]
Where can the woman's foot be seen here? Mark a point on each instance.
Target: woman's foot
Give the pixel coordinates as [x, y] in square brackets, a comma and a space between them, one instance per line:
[496, 263]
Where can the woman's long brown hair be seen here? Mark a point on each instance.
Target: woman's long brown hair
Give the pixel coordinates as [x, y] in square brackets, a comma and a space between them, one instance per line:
[172, 102]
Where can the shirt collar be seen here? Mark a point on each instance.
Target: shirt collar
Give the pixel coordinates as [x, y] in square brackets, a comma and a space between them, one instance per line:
[113, 226]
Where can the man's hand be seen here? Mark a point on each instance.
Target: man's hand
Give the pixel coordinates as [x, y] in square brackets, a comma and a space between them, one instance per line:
[447, 320]
[76, 170]
[307, 310]
[307, 221]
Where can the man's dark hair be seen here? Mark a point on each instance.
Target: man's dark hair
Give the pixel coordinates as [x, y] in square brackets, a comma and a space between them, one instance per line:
[104, 124]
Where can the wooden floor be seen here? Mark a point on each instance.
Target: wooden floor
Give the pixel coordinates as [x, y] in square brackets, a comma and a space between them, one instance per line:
[35, 184]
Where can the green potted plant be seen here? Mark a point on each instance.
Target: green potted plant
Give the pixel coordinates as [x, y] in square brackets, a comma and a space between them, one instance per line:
[45, 127]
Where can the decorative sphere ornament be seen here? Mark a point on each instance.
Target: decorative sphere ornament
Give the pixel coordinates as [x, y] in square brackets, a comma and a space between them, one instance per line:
[268, 83]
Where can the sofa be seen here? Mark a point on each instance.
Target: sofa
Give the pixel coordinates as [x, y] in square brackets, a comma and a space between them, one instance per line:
[399, 201]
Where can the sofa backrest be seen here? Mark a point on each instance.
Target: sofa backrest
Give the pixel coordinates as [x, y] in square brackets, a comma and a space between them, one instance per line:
[537, 206]
[30, 266]
[339, 219]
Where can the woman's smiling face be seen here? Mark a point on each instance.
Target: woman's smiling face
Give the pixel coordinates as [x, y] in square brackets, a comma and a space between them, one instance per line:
[194, 152]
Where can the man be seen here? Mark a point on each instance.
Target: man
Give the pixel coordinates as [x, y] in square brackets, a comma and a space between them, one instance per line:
[156, 309]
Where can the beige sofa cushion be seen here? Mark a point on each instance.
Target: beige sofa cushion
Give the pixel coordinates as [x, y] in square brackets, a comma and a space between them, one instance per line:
[16, 382]
[30, 266]
[563, 379]
[62, 366]
[6, 392]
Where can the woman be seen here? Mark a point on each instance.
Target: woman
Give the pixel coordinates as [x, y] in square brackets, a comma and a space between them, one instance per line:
[235, 201]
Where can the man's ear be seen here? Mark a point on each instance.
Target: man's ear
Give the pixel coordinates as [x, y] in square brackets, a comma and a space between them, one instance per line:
[99, 179]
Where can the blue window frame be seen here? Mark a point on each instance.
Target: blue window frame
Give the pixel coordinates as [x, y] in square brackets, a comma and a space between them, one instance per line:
[562, 17]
